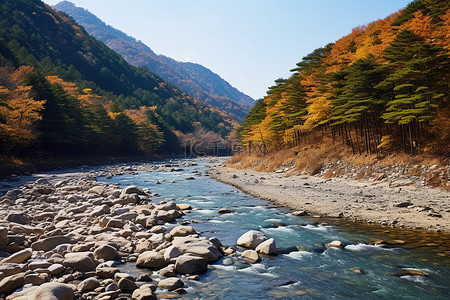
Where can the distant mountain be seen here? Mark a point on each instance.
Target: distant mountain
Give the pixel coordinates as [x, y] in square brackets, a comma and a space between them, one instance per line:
[194, 79]
[54, 46]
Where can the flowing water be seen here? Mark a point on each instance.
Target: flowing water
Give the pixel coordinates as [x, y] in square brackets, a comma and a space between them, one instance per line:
[307, 269]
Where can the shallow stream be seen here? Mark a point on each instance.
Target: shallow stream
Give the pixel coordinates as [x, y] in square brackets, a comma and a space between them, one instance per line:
[307, 269]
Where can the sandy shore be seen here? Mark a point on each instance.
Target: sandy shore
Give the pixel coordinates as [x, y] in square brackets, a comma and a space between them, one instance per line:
[410, 206]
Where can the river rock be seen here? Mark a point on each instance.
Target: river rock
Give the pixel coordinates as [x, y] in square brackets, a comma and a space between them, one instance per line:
[251, 239]
[198, 247]
[27, 229]
[88, 284]
[10, 283]
[299, 213]
[99, 190]
[126, 285]
[18, 217]
[182, 231]
[106, 252]
[151, 259]
[267, 247]
[251, 255]
[18, 257]
[224, 211]
[106, 272]
[403, 204]
[336, 244]
[132, 190]
[115, 223]
[56, 269]
[9, 269]
[172, 253]
[36, 279]
[171, 283]
[186, 264]
[50, 243]
[82, 261]
[144, 293]
[184, 206]
[46, 291]
[3, 236]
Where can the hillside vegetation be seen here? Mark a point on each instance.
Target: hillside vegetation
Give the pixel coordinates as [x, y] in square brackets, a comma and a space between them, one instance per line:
[383, 88]
[64, 92]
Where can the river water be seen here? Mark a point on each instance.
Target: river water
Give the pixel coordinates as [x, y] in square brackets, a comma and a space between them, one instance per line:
[307, 269]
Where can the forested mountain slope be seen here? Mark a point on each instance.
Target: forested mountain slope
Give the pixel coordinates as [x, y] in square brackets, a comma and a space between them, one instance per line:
[384, 87]
[192, 78]
[87, 98]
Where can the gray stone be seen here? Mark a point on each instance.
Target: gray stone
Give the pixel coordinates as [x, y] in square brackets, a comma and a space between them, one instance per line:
[48, 291]
[82, 261]
[144, 293]
[267, 247]
[151, 259]
[251, 239]
[88, 284]
[18, 257]
[251, 256]
[11, 283]
[3, 236]
[132, 190]
[171, 283]
[106, 252]
[182, 231]
[18, 217]
[186, 264]
[50, 243]
[126, 285]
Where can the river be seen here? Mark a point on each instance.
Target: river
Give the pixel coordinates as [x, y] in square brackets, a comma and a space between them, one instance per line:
[418, 268]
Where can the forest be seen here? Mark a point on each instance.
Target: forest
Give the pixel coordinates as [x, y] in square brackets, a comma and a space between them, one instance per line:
[63, 92]
[383, 88]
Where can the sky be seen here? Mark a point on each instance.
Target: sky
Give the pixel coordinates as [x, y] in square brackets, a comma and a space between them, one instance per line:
[249, 43]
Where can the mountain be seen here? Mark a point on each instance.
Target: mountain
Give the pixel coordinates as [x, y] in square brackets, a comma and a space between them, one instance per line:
[84, 92]
[194, 79]
[382, 88]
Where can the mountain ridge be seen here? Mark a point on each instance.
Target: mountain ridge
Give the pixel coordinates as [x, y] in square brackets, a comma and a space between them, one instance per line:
[195, 79]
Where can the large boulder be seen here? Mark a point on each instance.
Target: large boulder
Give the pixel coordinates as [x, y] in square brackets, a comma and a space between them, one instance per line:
[18, 257]
[267, 247]
[3, 236]
[48, 244]
[106, 252]
[46, 291]
[151, 259]
[81, 261]
[11, 283]
[172, 253]
[198, 247]
[187, 264]
[182, 231]
[251, 239]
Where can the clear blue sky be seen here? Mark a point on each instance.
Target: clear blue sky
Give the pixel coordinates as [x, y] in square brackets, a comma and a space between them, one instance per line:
[249, 43]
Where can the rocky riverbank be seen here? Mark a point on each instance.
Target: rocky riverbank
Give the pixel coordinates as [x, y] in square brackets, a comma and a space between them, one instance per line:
[65, 236]
[398, 204]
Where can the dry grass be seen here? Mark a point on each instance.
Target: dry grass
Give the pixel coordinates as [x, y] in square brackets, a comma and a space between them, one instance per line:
[338, 160]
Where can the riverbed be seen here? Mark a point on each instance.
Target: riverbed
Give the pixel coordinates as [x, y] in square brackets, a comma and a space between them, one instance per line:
[414, 264]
